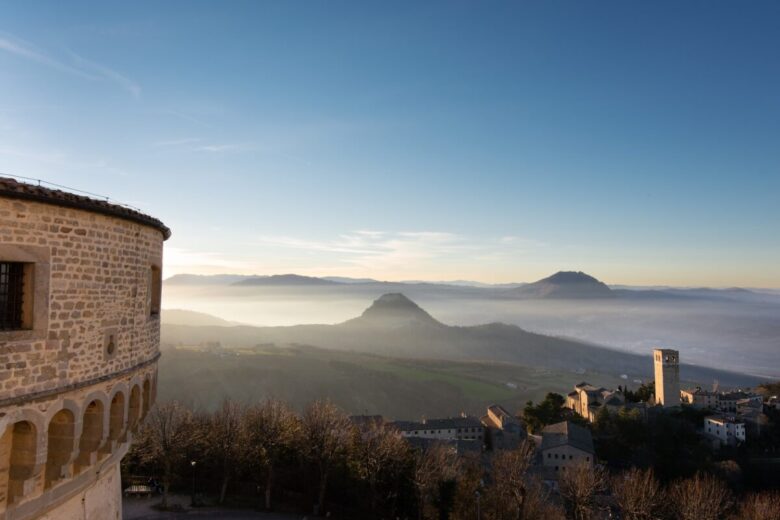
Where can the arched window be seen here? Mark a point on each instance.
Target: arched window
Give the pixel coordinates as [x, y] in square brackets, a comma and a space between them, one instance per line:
[91, 436]
[61, 445]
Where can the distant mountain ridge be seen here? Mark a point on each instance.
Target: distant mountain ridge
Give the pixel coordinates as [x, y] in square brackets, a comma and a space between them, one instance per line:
[392, 310]
[285, 280]
[563, 285]
[395, 326]
[566, 285]
[192, 318]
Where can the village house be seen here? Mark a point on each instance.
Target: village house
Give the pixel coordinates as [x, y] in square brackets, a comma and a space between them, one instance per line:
[699, 398]
[727, 401]
[504, 430]
[727, 430]
[586, 400]
[454, 428]
[564, 445]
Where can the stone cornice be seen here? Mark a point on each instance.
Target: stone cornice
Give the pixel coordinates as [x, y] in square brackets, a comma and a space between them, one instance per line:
[45, 394]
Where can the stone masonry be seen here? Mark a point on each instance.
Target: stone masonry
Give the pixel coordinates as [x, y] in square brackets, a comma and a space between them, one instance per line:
[78, 378]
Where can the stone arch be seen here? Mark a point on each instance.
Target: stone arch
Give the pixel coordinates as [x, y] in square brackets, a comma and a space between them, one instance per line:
[147, 403]
[116, 417]
[92, 432]
[19, 452]
[134, 409]
[154, 387]
[61, 445]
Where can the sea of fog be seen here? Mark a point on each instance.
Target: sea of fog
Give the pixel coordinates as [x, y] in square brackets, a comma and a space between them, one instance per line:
[736, 335]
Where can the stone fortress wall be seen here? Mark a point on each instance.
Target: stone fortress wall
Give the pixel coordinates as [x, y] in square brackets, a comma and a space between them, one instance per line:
[78, 371]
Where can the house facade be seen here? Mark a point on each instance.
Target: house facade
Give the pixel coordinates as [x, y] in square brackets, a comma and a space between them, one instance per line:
[564, 445]
[726, 429]
[587, 400]
[455, 428]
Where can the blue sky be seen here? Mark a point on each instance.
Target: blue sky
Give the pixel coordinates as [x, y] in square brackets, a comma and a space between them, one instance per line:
[637, 141]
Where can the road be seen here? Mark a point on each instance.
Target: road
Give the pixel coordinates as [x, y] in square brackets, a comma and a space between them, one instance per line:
[141, 509]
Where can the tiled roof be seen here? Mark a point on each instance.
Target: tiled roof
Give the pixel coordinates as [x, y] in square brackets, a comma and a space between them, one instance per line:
[20, 190]
[452, 423]
[723, 419]
[567, 433]
[500, 411]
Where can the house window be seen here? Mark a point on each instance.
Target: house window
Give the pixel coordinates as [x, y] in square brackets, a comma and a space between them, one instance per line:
[155, 291]
[15, 295]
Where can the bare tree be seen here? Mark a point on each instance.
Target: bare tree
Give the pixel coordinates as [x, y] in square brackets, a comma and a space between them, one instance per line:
[579, 485]
[269, 433]
[764, 506]
[510, 476]
[638, 495]
[702, 497]
[221, 436]
[379, 457]
[435, 469]
[327, 432]
[539, 505]
[165, 440]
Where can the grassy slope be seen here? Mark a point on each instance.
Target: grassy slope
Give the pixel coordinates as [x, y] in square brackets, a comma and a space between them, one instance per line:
[360, 383]
[485, 343]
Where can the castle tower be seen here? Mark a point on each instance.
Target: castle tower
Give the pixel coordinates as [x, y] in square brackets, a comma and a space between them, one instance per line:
[667, 377]
[80, 284]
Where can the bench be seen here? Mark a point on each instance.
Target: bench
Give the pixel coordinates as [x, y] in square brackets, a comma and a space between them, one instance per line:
[138, 490]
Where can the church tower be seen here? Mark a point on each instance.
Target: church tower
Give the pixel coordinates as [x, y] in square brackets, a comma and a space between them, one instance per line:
[667, 377]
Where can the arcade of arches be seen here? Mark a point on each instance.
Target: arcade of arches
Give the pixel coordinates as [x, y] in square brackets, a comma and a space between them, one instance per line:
[41, 450]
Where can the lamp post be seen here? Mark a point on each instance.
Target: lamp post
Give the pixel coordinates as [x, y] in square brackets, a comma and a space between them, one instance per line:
[477, 495]
[193, 464]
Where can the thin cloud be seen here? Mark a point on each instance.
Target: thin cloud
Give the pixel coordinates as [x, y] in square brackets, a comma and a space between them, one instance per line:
[176, 142]
[384, 250]
[109, 74]
[220, 148]
[27, 50]
[80, 66]
[398, 255]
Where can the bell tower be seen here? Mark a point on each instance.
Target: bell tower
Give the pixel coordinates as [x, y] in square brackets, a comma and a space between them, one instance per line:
[667, 377]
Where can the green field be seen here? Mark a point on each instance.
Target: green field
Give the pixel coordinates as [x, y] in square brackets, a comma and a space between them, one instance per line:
[359, 383]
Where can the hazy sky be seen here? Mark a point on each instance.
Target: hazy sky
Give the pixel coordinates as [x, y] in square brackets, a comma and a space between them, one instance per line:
[637, 141]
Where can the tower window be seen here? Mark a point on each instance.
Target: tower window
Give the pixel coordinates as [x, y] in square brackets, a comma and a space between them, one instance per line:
[155, 291]
[15, 296]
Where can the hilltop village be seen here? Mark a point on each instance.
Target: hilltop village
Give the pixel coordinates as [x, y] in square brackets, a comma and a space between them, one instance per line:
[727, 419]
[595, 450]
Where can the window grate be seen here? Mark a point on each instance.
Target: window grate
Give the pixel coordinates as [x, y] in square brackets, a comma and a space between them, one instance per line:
[11, 295]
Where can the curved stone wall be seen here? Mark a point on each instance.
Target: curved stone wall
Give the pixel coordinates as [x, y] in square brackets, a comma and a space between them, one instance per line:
[78, 377]
[99, 282]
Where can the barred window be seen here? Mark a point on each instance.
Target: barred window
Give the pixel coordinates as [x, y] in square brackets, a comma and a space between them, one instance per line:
[12, 290]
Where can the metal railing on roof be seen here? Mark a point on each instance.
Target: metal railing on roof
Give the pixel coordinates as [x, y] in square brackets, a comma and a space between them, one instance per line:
[46, 184]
